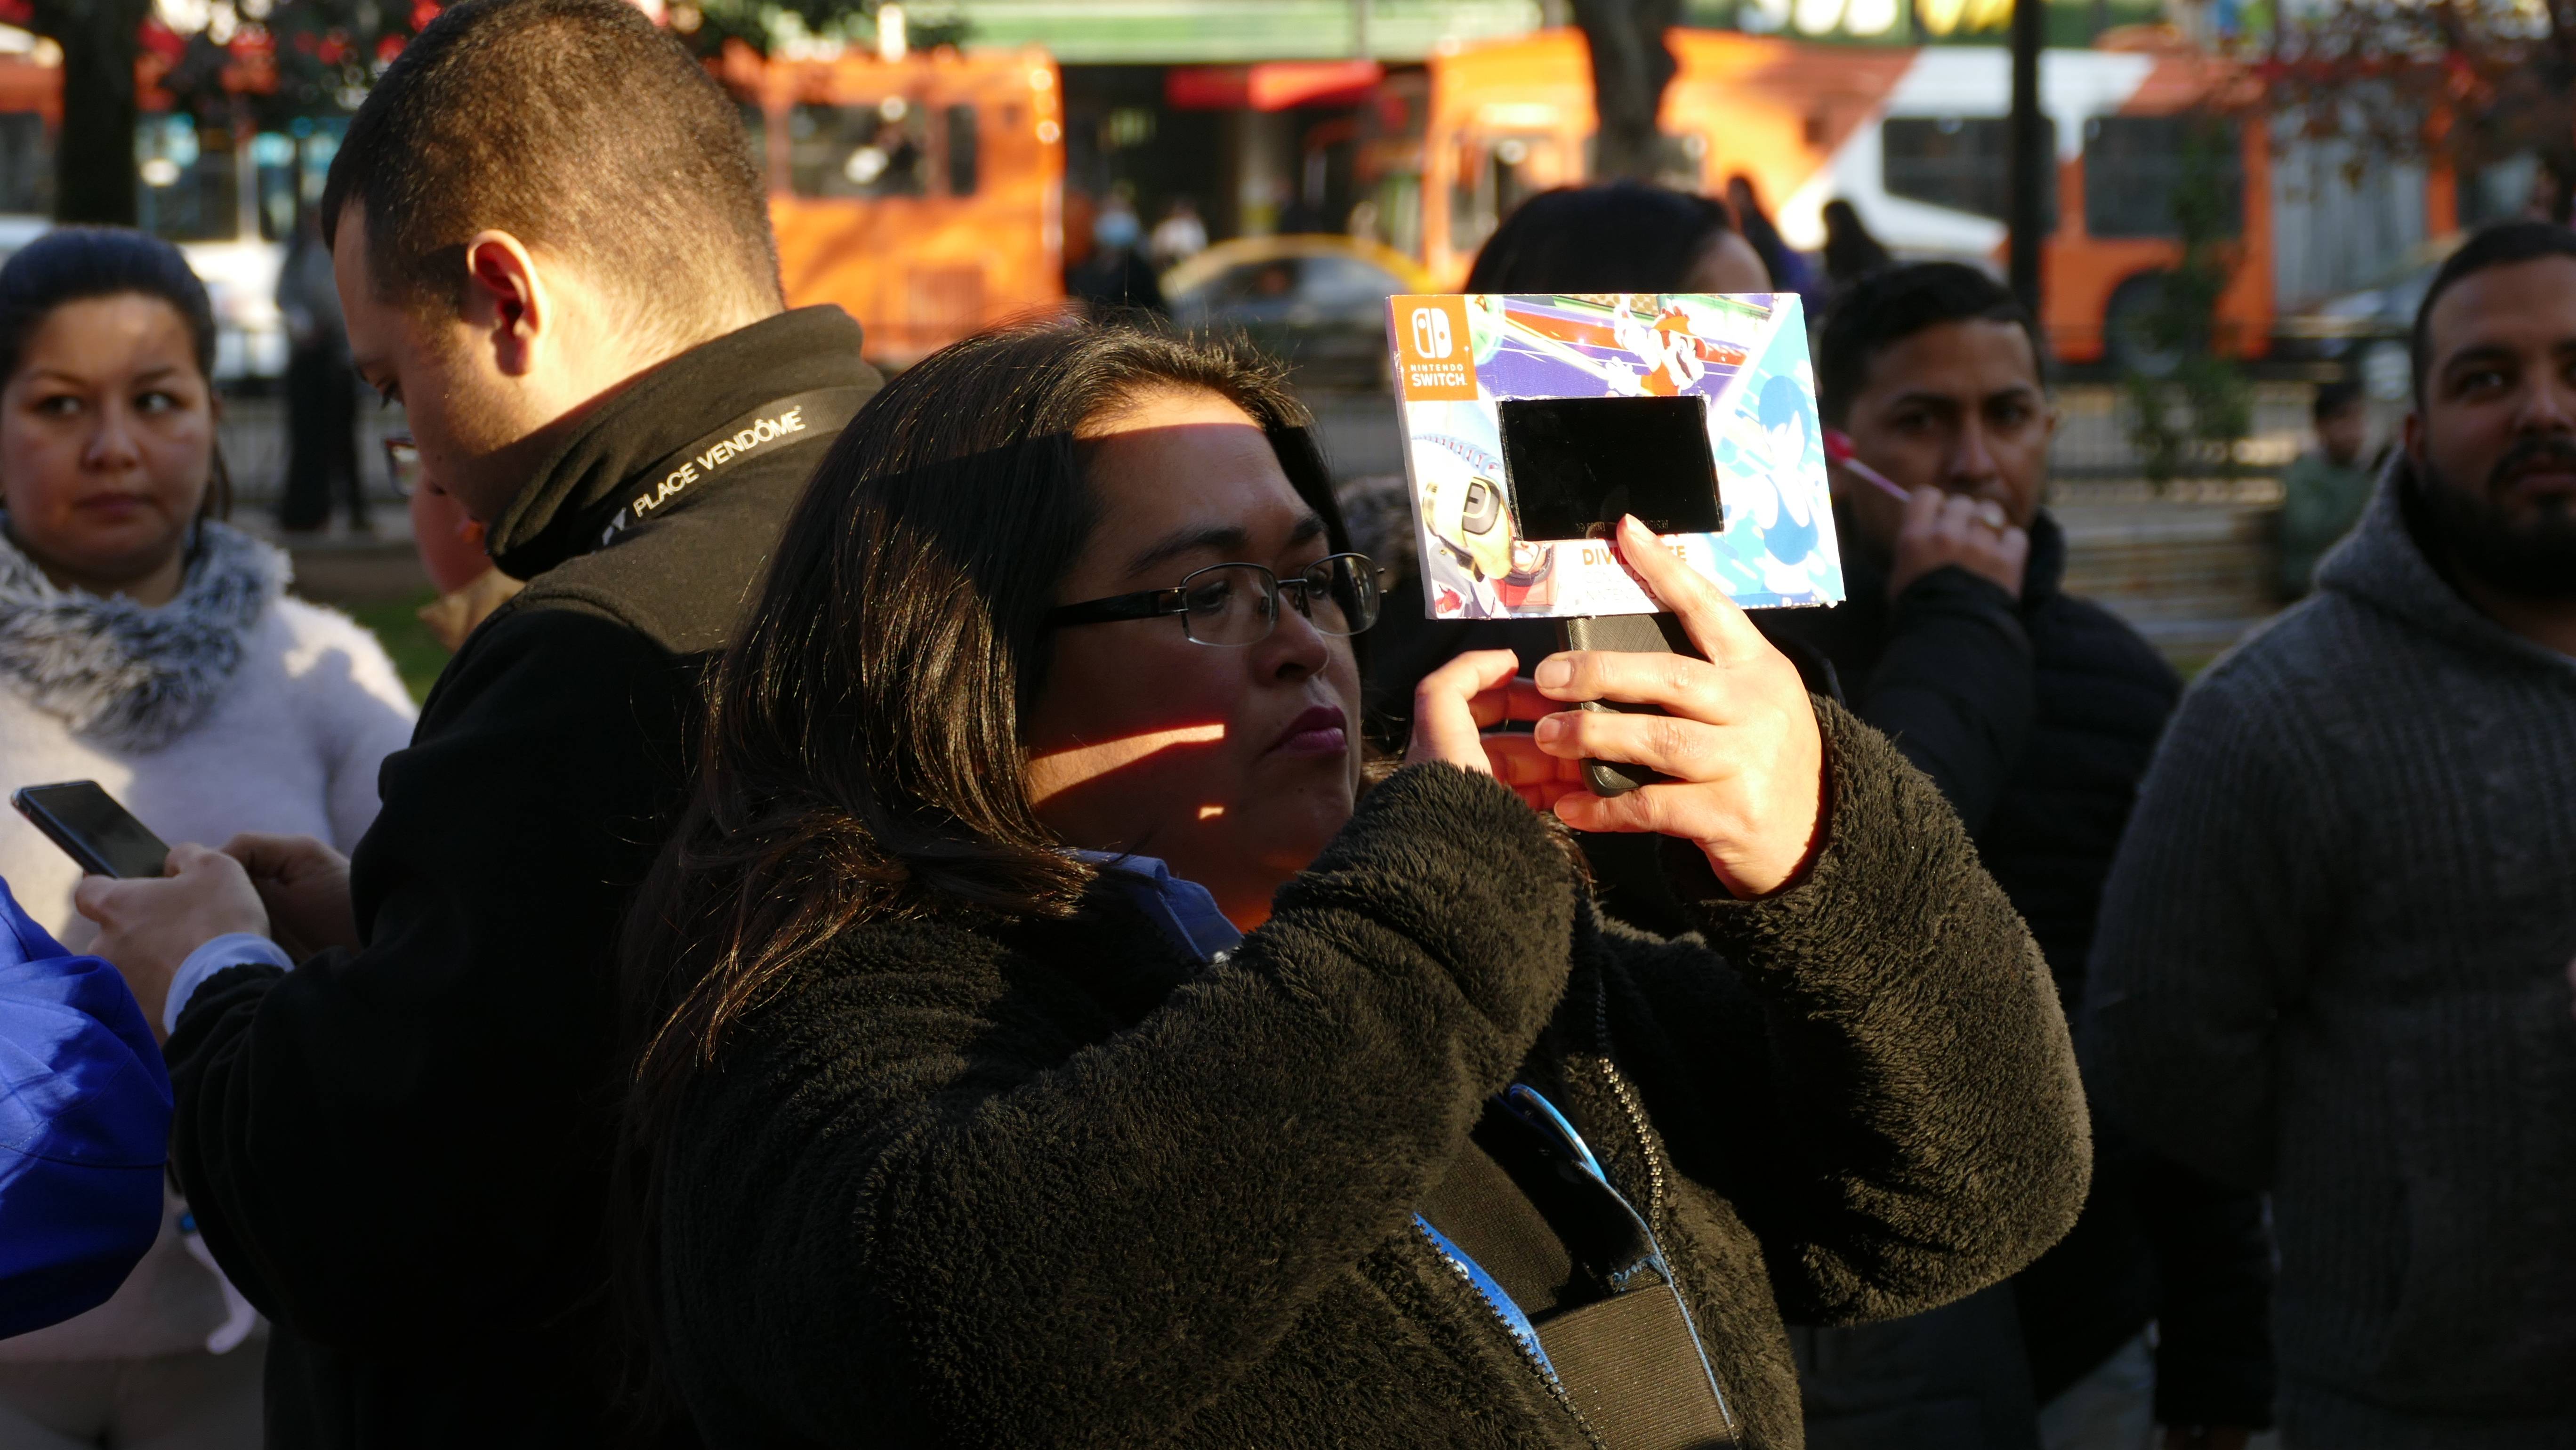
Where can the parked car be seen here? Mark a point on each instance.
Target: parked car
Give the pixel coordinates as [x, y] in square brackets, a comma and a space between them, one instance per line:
[2369, 329]
[1318, 301]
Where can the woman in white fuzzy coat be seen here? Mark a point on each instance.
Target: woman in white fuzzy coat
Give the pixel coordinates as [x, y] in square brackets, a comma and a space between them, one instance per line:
[148, 646]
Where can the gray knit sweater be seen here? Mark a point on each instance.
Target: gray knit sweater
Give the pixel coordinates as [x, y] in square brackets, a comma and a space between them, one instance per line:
[2334, 962]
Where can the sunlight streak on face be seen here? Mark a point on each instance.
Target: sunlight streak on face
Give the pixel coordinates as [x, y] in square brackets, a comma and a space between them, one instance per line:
[1056, 771]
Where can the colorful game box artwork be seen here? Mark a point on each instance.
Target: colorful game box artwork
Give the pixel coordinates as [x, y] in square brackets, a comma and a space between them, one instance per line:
[1532, 423]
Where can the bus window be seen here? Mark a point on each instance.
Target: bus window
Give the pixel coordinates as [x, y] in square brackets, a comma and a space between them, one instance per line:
[962, 156]
[191, 189]
[857, 151]
[273, 168]
[1491, 182]
[2134, 169]
[26, 165]
[1963, 163]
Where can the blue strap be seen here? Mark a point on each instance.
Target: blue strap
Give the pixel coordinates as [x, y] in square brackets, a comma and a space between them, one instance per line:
[1513, 1317]
[1527, 1104]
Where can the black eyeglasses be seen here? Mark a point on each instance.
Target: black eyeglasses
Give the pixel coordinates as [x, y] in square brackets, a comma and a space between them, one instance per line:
[1238, 604]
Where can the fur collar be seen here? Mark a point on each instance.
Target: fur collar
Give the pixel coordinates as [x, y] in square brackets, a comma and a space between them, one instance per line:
[128, 677]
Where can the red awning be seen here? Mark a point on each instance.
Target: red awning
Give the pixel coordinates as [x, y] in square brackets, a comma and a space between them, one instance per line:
[1277, 85]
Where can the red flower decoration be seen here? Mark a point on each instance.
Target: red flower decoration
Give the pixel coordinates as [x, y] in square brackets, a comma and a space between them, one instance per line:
[389, 47]
[423, 12]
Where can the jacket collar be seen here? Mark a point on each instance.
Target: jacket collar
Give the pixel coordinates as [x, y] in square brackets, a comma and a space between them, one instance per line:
[2382, 562]
[557, 515]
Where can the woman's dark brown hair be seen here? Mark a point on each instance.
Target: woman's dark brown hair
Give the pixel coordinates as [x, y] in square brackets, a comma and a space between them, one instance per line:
[860, 758]
[1626, 236]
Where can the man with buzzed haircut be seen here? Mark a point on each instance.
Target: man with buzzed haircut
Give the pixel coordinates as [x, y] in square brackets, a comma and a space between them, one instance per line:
[553, 247]
[2335, 950]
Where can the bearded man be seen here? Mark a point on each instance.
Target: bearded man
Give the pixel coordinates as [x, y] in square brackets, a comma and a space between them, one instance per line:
[2334, 955]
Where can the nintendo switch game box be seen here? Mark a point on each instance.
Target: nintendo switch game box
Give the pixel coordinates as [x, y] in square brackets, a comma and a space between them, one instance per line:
[1532, 423]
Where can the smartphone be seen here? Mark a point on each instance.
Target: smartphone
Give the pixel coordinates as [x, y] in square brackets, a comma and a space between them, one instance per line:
[92, 828]
[1629, 634]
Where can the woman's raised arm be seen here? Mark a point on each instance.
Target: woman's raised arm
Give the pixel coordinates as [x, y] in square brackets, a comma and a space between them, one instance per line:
[910, 1208]
[1878, 1075]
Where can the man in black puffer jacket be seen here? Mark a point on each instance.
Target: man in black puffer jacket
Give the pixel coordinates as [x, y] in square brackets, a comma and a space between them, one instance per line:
[398, 1149]
[2036, 713]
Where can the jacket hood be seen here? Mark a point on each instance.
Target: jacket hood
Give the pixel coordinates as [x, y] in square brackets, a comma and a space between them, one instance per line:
[558, 514]
[2382, 563]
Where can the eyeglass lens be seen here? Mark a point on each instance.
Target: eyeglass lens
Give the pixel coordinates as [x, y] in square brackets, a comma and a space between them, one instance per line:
[1236, 604]
[402, 463]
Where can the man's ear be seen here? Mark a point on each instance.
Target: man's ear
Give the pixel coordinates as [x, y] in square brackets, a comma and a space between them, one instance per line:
[506, 299]
[2414, 433]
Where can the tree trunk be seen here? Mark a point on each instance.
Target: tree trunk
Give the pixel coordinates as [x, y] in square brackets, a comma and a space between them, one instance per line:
[94, 178]
[2029, 158]
[1630, 68]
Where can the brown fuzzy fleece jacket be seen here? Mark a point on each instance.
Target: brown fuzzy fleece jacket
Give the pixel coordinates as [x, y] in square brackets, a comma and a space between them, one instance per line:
[1056, 1183]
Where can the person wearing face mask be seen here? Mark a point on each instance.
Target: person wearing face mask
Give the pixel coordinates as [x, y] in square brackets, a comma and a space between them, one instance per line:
[2335, 949]
[1053, 1029]
[149, 646]
[553, 248]
[2036, 713]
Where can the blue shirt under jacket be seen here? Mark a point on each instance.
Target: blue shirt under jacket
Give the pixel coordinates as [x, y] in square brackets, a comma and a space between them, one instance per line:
[84, 1127]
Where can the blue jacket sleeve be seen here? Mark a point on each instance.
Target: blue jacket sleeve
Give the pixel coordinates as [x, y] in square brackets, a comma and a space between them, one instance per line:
[84, 1128]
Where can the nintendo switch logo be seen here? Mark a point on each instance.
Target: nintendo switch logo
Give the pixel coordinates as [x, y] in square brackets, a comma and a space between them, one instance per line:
[1433, 347]
[1431, 332]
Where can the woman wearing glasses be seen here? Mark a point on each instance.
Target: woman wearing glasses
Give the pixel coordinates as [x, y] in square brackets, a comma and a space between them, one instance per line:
[1055, 1029]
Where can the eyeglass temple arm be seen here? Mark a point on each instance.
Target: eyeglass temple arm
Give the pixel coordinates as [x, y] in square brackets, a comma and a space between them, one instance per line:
[1150, 604]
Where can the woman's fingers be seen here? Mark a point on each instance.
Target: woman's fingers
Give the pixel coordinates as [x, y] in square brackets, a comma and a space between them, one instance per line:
[1519, 760]
[1721, 630]
[1446, 708]
[1663, 809]
[1689, 750]
[1516, 699]
[1675, 683]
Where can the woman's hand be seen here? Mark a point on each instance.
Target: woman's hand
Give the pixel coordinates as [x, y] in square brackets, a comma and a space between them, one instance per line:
[1457, 703]
[1738, 735]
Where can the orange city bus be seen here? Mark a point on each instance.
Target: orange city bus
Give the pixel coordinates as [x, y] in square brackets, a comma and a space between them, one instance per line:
[1914, 138]
[924, 195]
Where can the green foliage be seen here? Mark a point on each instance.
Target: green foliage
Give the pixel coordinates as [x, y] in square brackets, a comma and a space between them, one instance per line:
[764, 25]
[2190, 415]
[417, 654]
